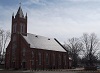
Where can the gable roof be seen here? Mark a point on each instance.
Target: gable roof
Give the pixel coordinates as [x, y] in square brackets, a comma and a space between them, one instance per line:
[41, 42]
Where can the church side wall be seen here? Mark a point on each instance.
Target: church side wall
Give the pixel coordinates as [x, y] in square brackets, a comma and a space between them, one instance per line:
[8, 57]
[35, 58]
[47, 62]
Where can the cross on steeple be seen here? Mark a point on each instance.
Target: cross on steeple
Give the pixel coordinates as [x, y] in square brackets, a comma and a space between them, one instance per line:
[20, 3]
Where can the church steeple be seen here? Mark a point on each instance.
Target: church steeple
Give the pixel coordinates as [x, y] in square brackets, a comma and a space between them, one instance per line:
[20, 12]
[19, 22]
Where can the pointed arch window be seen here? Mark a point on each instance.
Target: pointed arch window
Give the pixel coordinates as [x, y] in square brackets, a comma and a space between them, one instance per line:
[24, 50]
[22, 28]
[14, 46]
[39, 58]
[47, 58]
[32, 61]
[14, 28]
[53, 59]
[59, 59]
[32, 55]
[65, 59]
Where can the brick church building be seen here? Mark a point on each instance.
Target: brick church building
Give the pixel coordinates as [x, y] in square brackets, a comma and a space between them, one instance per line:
[31, 51]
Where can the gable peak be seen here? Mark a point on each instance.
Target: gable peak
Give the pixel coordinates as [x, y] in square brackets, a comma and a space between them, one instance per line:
[20, 12]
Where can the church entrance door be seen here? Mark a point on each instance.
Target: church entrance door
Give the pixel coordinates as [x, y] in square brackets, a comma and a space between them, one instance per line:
[13, 64]
[23, 65]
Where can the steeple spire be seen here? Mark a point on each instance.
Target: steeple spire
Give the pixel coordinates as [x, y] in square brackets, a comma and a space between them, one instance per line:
[20, 12]
[19, 22]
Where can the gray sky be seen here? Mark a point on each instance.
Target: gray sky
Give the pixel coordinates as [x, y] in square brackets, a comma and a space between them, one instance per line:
[61, 19]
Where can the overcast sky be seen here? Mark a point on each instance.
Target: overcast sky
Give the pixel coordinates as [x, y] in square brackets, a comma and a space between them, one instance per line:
[61, 19]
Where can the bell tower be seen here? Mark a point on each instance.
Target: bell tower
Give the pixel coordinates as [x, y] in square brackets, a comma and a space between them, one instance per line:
[19, 27]
[19, 22]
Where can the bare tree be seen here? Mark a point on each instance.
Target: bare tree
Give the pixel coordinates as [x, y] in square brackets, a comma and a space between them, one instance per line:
[4, 38]
[74, 46]
[90, 48]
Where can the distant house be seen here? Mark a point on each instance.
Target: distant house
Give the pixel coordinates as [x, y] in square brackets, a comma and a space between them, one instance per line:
[30, 51]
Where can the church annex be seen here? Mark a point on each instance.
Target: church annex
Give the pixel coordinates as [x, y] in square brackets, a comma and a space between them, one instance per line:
[31, 51]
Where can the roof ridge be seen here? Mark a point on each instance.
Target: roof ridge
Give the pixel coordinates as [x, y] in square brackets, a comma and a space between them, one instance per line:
[40, 35]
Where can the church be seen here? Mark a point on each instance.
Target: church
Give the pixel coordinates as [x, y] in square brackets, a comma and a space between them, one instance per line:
[31, 51]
